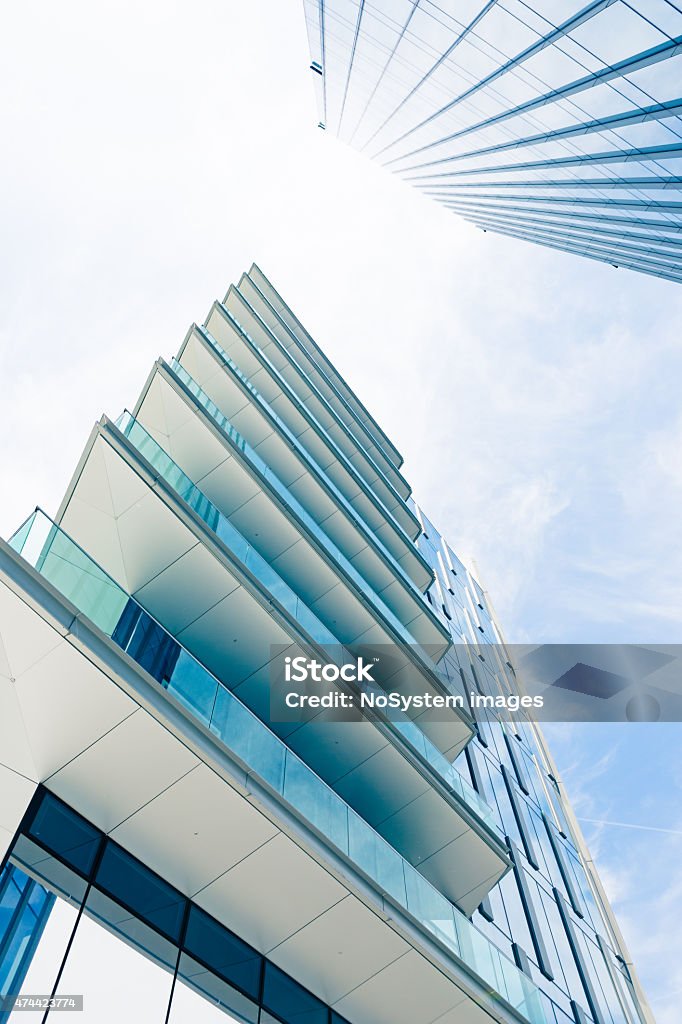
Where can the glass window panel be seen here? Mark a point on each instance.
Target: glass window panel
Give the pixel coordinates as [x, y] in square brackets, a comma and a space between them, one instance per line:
[47, 959]
[200, 997]
[60, 829]
[223, 952]
[292, 1003]
[566, 974]
[127, 880]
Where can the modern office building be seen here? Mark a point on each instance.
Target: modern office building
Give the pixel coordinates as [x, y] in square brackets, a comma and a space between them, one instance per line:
[208, 858]
[555, 121]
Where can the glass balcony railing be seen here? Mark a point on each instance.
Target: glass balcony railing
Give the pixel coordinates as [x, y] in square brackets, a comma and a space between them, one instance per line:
[290, 435]
[294, 504]
[247, 555]
[133, 429]
[315, 466]
[287, 388]
[101, 600]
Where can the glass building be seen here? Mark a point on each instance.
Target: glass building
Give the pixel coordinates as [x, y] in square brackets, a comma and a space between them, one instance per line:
[24, 909]
[209, 859]
[553, 121]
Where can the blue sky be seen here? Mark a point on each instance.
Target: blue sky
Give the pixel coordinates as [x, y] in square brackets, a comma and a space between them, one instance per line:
[154, 151]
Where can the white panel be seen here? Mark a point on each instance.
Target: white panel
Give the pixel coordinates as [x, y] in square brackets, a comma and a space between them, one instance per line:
[191, 444]
[229, 486]
[151, 537]
[93, 482]
[470, 863]
[15, 751]
[313, 577]
[467, 1012]
[96, 533]
[339, 950]
[15, 796]
[195, 831]
[234, 637]
[186, 589]
[349, 615]
[67, 704]
[26, 638]
[269, 529]
[338, 745]
[408, 991]
[127, 487]
[424, 828]
[152, 412]
[250, 423]
[397, 787]
[122, 771]
[271, 894]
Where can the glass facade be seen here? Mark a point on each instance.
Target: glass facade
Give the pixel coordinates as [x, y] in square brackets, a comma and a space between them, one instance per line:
[24, 909]
[191, 966]
[553, 122]
[546, 913]
[203, 535]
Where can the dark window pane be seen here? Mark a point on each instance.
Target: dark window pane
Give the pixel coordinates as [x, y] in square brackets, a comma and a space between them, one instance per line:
[223, 952]
[128, 881]
[66, 834]
[289, 1000]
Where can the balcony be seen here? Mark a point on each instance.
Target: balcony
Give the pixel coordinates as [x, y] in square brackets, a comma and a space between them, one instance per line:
[330, 383]
[353, 479]
[300, 485]
[250, 310]
[409, 900]
[195, 571]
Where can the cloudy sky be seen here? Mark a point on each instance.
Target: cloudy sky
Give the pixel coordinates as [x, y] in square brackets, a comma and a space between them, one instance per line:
[152, 151]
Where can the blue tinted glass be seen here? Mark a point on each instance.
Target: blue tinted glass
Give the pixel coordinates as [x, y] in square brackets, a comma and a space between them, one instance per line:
[147, 642]
[223, 952]
[147, 895]
[289, 1001]
[66, 834]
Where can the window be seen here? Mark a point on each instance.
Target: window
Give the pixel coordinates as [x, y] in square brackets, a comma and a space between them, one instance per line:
[136, 887]
[66, 834]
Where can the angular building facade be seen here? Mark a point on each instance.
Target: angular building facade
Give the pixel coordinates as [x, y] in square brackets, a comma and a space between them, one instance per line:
[209, 860]
[554, 122]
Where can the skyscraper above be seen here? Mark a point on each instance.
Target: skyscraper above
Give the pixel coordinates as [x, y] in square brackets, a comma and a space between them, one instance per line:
[556, 122]
[208, 859]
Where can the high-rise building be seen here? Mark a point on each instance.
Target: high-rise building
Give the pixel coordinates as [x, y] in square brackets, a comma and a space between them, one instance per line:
[211, 857]
[554, 121]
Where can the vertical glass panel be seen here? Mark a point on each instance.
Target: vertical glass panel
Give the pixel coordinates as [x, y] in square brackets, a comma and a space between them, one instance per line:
[248, 738]
[24, 906]
[199, 997]
[509, 891]
[152, 899]
[292, 1003]
[118, 982]
[225, 953]
[376, 858]
[47, 959]
[193, 686]
[320, 805]
[62, 830]
[76, 576]
[432, 909]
